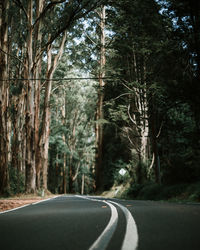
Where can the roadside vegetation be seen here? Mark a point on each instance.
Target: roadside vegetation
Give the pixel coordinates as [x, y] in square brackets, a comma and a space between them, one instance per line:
[152, 191]
[100, 94]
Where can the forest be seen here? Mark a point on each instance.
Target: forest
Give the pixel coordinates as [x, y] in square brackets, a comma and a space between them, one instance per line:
[100, 94]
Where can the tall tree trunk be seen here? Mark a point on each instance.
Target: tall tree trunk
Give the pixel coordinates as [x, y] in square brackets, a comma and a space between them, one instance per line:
[37, 126]
[63, 111]
[16, 149]
[37, 46]
[44, 135]
[195, 21]
[4, 98]
[82, 184]
[30, 109]
[155, 146]
[72, 145]
[99, 112]
[139, 108]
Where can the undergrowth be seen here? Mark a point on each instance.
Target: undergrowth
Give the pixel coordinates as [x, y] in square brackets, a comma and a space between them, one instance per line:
[152, 191]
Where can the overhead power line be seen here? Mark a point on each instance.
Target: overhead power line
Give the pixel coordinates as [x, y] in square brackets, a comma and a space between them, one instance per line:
[60, 79]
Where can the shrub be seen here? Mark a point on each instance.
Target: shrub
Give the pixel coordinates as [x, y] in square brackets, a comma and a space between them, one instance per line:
[134, 190]
[16, 181]
[173, 191]
[151, 192]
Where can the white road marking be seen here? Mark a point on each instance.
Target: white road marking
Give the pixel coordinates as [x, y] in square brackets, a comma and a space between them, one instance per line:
[131, 238]
[35, 203]
[130, 241]
[10, 210]
[103, 240]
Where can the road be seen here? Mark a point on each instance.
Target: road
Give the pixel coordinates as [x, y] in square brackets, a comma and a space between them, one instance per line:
[87, 223]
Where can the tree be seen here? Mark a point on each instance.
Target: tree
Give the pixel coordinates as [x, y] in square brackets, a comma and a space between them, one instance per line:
[144, 56]
[4, 98]
[28, 47]
[72, 137]
[134, 45]
[186, 31]
[99, 112]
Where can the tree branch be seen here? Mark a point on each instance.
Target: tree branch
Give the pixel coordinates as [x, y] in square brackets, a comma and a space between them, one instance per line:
[120, 96]
[73, 17]
[90, 39]
[133, 144]
[151, 166]
[159, 130]
[127, 87]
[131, 117]
[20, 5]
[11, 55]
[77, 172]
[48, 7]
[57, 57]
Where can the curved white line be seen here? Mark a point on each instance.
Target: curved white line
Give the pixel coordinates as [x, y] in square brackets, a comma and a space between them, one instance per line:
[13, 209]
[131, 238]
[35, 203]
[103, 240]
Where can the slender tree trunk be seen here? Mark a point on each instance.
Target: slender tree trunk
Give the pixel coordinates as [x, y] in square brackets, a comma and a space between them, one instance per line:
[44, 137]
[37, 46]
[144, 127]
[15, 149]
[99, 112]
[57, 175]
[30, 109]
[139, 114]
[22, 134]
[45, 131]
[82, 184]
[63, 111]
[37, 126]
[4, 98]
[73, 172]
[155, 146]
[64, 173]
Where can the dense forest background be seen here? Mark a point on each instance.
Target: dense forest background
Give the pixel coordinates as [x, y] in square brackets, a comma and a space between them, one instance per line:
[100, 94]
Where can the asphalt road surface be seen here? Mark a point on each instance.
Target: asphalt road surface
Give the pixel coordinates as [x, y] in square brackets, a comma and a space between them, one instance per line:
[87, 223]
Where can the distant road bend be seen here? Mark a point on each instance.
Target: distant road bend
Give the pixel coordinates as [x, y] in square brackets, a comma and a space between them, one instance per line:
[74, 222]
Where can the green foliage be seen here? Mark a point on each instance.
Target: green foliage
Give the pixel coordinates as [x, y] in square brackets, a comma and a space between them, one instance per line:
[72, 132]
[17, 180]
[101, 121]
[152, 191]
[193, 191]
[171, 192]
[134, 190]
[152, 48]
[114, 155]
[179, 159]
[16, 89]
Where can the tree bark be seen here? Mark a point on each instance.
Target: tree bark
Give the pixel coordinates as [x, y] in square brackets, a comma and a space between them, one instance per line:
[155, 146]
[82, 184]
[45, 131]
[63, 111]
[138, 113]
[38, 40]
[17, 127]
[4, 98]
[99, 112]
[30, 109]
